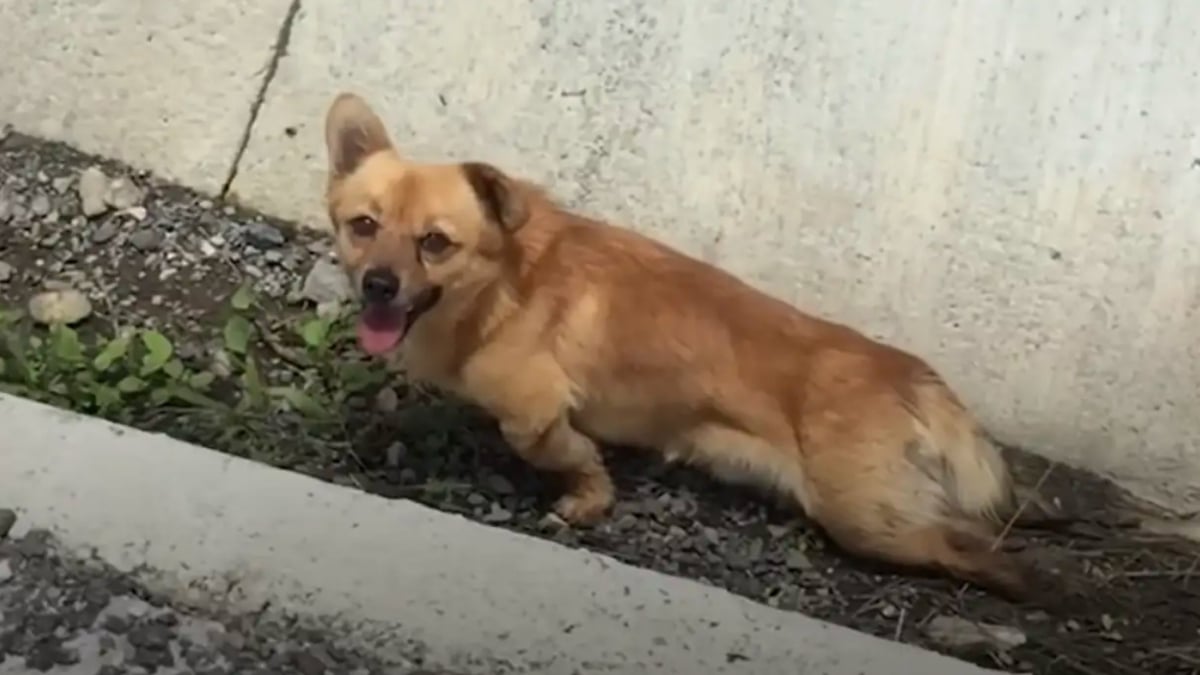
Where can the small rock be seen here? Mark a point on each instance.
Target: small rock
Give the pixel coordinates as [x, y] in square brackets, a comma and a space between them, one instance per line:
[6, 572]
[6, 272]
[122, 194]
[35, 544]
[61, 184]
[150, 636]
[105, 232]
[39, 205]
[114, 623]
[64, 306]
[222, 364]
[387, 401]
[497, 515]
[93, 187]
[8, 518]
[308, 664]
[958, 633]
[796, 560]
[146, 240]
[6, 208]
[326, 282]
[138, 213]
[499, 484]
[394, 455]
[263, 236]
[552, 521]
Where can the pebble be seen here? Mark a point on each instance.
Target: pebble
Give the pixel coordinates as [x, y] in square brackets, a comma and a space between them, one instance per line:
[122, 194]
[93, 187]
[40, 205]
[105, 233]
[8, 518]
[326, 282]
[958, 633]
[797, 560]
[394, 454]
[6, 571]
[264, 236]
[6, 272]
[61, 184]
[499, 484]
[497, 514]
[387, 401]
[146, 240]
[63, 306]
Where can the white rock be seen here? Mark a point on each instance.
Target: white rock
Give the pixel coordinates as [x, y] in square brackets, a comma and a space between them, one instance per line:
[6, 271]
[326, 283]
[122, 194]
[955, 632]
[60, 306]
[6, 572]
[387, 401]
[93, 187]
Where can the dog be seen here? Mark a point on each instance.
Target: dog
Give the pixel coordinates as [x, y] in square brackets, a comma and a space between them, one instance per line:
[572, 332]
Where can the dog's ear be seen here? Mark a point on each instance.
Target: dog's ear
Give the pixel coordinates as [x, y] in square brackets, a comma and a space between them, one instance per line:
[352, 132]
[503, 201]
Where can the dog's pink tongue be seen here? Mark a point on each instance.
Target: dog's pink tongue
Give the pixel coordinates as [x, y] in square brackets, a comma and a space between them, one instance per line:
[380, 330]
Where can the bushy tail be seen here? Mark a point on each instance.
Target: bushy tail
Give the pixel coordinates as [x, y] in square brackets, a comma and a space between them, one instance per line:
[973, 473]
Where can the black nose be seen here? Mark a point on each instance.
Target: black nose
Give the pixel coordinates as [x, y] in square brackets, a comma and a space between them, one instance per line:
[380, 285]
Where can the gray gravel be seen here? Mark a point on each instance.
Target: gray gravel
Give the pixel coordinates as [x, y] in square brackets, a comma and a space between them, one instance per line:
[65, 615]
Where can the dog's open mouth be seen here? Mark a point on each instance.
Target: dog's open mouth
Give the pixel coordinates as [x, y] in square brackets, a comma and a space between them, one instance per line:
[382, 327]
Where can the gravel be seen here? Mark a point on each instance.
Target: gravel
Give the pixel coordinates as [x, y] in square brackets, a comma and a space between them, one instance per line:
[1140, 612]
[68, 615]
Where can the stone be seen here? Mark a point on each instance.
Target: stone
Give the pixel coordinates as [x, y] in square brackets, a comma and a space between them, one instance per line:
[6, 272]
[40, 205]
[122, 194]
[60, 306]
[93, 187]
[958, 633]
[105, 233]
[8, 518]
[264, 236]
[326, 282]
[146, 240]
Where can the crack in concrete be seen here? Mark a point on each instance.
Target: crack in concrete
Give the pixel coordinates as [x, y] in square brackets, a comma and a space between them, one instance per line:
[282, 39]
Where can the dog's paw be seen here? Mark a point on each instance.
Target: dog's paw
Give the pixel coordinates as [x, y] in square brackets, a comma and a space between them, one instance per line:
[582, 509]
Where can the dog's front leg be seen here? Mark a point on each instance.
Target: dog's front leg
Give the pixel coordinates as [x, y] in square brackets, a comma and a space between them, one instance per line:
[549, 443]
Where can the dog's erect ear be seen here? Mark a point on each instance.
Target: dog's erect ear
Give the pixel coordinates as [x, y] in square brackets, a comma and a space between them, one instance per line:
[352, 132]
[502, 200]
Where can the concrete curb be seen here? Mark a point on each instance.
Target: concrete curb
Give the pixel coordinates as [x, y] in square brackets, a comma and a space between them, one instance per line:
[395, 570]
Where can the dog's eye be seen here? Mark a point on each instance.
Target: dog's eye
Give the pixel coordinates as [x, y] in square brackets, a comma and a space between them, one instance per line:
[434, 243]
[363, 226]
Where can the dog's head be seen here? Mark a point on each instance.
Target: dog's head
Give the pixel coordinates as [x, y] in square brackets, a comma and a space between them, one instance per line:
[414, 238]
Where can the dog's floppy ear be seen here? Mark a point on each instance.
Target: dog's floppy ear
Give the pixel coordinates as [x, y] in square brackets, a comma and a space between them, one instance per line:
[352, 132]
[503, 202]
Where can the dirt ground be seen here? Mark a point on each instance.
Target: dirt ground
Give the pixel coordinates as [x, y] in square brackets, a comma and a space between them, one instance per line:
[1130, 602]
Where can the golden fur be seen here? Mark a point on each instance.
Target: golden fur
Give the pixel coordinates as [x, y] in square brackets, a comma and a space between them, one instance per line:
[570, 331]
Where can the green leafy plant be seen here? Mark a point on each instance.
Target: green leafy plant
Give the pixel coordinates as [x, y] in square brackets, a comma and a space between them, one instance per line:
[109, 377]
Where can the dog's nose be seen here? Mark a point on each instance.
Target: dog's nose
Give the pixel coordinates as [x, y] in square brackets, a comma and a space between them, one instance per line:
[380, 285]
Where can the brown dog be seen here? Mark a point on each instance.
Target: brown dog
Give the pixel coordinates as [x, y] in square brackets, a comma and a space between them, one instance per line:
[571, 332]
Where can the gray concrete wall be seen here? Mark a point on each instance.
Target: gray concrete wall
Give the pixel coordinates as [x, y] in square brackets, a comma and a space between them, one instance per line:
[1008, 188]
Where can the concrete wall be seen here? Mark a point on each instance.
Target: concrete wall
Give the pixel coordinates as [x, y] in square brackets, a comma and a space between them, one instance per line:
[1008, 187]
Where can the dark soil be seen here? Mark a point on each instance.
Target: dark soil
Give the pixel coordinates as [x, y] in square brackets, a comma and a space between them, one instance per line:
[67, 615]
[1139, 613]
